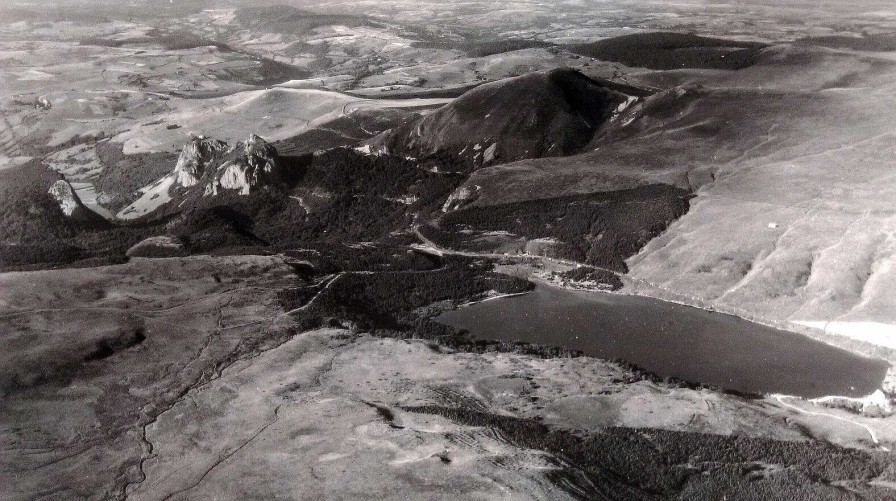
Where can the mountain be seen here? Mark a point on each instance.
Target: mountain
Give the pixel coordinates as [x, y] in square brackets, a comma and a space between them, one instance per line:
[30, 213]
[541, 114]
[340, 195]
[211, 168]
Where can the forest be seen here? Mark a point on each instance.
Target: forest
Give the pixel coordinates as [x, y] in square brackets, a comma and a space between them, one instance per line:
[630, 463]
[600, 229]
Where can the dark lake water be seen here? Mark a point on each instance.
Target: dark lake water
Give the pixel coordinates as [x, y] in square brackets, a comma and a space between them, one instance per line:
[674, 340]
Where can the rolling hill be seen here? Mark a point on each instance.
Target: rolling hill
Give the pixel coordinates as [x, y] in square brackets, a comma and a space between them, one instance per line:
[541, 114]
[670, 51]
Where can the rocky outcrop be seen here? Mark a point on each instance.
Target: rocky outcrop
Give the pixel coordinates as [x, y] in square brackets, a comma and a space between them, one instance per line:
[196, 155]
[254, 166]
[261, 156]
[208, 168]
[238, 167]
[70, 204]
[65, 196]
[461, 197]
[161, 246]
[243, 166]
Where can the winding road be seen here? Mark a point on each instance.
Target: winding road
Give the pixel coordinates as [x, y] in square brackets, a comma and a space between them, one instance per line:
[780, 398]
[434, 247]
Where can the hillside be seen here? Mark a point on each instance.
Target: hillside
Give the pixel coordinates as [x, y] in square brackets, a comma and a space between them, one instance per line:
[437, 250]
[670, 51]
[43, 223]
[338, 196]
[792, 219]
[542, 114]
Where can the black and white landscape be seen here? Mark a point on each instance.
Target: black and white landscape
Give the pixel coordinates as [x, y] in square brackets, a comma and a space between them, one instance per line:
[393, 249]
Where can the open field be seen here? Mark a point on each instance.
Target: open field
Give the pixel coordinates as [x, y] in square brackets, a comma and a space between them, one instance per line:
[203, 406]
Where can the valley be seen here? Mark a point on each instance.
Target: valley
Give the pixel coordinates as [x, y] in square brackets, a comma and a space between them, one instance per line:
[377, 250]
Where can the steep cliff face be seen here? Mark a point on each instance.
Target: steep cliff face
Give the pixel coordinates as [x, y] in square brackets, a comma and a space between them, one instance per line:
[246, 169]
[71, 204]
[65, 195]
[195, 157]
[209, 168]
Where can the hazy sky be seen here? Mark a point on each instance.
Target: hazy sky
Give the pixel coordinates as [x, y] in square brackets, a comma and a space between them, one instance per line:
[761, 19]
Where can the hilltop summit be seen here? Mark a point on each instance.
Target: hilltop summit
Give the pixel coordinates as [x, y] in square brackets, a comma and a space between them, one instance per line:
[540, 114]
[195, 157]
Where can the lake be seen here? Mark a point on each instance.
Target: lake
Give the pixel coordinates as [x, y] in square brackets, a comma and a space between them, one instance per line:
[673, 340]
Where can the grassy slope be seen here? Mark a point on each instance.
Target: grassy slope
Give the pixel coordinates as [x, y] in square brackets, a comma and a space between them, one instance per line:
[215, 365]
[551, 113]
[792, 218]
[797, 221]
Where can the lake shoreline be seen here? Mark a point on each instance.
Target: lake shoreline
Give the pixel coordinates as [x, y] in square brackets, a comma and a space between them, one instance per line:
[640, 288]
[717, 336]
